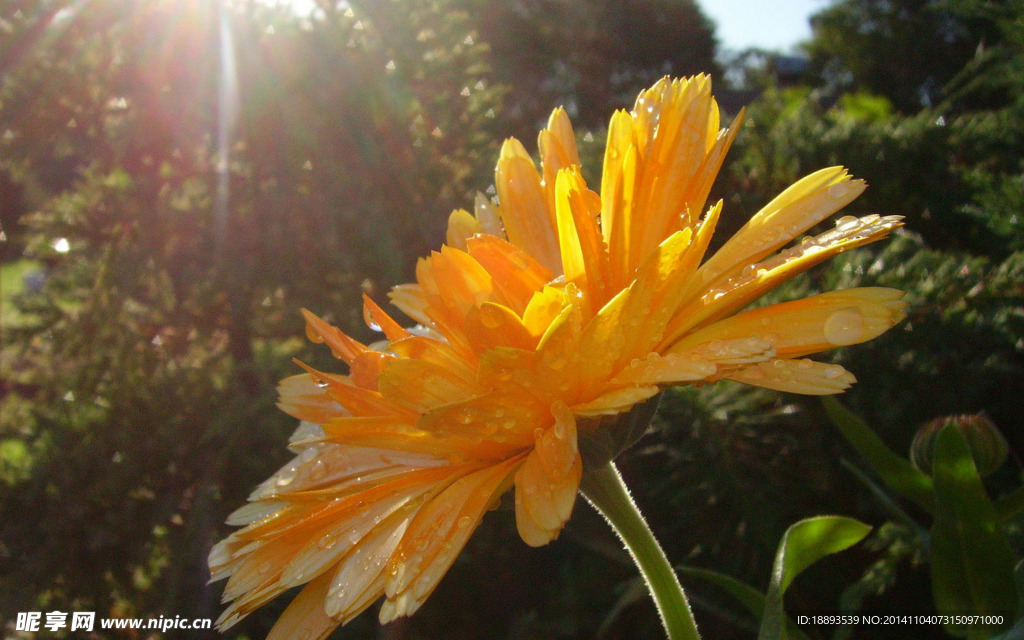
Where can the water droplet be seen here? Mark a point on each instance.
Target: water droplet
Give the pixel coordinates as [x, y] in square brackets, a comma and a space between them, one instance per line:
[490, 317]
[837, 190]
[327, 541]
[285, 478]
[464, 522]
[318, 471]
[844, 327]
[833, 371]
[555, 360]
[846, 223]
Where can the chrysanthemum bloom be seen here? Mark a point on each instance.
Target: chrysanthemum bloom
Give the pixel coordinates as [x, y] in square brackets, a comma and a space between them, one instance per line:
[538, 317]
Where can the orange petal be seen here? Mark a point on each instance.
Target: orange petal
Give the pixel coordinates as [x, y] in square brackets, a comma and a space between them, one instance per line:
[613, 399]
[342, 346]
[664, 369]
[437, 534]
[376, 318]
[305, 617]
[411, 300]
[354, 399]
[423, 386]
[506, 416]
[303, 399]
[514, 272]
[547, 482]
[360, 577]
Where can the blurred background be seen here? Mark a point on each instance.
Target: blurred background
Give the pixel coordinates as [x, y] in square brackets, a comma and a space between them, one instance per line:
[179, 177]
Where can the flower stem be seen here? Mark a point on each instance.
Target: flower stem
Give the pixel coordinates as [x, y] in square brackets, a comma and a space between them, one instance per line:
[604, 488]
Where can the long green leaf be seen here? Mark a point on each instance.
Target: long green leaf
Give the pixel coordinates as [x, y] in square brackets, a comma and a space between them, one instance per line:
[972, 563]
[894, 470]
[750, 598]
[804, 543]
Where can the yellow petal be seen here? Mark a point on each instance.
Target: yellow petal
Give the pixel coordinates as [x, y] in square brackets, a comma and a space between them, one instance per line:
[755, 280]
[494, 325]
[633, 322]
[544, 306]
[524, 209]
[410, 299]
[796, 376]
[618, 194]
[461, 226]
[814, 324]
[557, 146]
[795, 210]
[584, 256]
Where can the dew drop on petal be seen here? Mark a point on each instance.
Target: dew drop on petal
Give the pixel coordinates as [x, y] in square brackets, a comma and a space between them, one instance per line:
[284, 478]
[833, 371]
[464, 522]
[844, 327]
[327, 541]
[837, 190]
[490, 317]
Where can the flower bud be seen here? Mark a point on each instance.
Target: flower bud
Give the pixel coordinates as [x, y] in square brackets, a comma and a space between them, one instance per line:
[988, 446]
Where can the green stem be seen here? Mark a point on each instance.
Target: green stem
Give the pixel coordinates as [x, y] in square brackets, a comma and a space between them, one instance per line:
[604, 488]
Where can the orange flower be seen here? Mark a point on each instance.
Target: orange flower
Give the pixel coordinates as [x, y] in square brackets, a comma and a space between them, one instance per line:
[537, 317]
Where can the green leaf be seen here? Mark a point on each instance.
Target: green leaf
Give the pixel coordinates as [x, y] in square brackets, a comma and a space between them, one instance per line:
[750, 598]
[894, 470]
[804, 543]
[972, 563]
